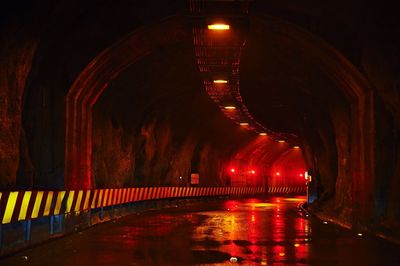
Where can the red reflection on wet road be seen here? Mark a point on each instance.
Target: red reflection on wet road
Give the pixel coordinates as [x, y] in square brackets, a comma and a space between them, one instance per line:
[271, 231]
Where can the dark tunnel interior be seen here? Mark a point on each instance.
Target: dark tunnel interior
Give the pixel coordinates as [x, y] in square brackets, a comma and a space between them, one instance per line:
[112, 94]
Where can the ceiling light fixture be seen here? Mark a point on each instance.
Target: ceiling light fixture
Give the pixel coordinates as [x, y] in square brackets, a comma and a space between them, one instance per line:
[218, 26]
[220, 81]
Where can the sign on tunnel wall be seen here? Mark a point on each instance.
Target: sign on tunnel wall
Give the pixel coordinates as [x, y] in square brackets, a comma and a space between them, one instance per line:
[194, 179]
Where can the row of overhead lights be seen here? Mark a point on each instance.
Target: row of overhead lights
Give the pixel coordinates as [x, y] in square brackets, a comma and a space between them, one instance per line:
[224, 27]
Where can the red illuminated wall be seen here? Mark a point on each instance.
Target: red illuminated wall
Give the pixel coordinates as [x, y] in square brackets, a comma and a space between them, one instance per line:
[267, 157]
[288, 169]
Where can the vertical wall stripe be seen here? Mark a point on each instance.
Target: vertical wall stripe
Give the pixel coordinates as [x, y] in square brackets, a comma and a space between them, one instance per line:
[36, 207]
[70, 200]
[110, 197]
[155, 192]
[87, 198]
[100, 198]
[59, 201]
[24, 205]
[117, 197]
[124, 192]
[47, 207]
[145, 193]
[78, 201]
[135, 194]
[123, 195]
[12, 199]
[131, 195]
[110, 200]
[128, 195]
[105, 198]
[94, 199]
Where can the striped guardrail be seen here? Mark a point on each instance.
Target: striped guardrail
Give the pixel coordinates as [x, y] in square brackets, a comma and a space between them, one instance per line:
[27, 205]
[287, 190]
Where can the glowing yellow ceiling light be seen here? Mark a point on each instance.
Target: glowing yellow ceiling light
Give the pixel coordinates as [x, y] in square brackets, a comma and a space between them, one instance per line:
[244, 124]
[220, 81]
[262, 134]
[281, 141]
[218, 26]
[296, 147]
[230, 107]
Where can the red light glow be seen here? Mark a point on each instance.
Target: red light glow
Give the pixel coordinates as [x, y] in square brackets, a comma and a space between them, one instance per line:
[277, 173]
[232, 170]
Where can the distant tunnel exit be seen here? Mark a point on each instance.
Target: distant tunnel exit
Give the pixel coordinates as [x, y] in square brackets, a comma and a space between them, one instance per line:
[265, 162]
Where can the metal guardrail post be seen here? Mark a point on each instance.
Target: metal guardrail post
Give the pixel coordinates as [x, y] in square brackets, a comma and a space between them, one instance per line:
[51, 228]
[59, 220]
[27, 230]
[101, 214]
[1, 236]
[90, 217]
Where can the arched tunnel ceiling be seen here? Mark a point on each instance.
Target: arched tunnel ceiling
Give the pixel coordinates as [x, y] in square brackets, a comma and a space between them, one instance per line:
[166, 85]
[283, 82]
[70, 42]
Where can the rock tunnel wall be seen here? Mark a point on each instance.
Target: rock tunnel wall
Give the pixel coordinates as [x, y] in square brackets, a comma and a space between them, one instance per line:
[15, 66]
[150, 155]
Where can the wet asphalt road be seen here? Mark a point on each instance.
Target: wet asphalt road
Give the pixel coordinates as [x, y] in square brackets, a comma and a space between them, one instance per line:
[270, 231]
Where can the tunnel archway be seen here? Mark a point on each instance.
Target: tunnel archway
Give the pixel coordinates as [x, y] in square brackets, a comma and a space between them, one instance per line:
[78, 136]
[347, 128]
[93, 81]
[110, 63]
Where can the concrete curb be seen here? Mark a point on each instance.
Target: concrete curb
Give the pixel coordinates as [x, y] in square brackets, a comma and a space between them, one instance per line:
[348, 226]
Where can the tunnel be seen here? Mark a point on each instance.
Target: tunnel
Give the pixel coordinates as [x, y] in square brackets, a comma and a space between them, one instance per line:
[109, 103]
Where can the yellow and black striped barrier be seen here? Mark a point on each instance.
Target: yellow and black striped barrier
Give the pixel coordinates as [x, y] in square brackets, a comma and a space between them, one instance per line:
[26, 205]
[287, 190]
